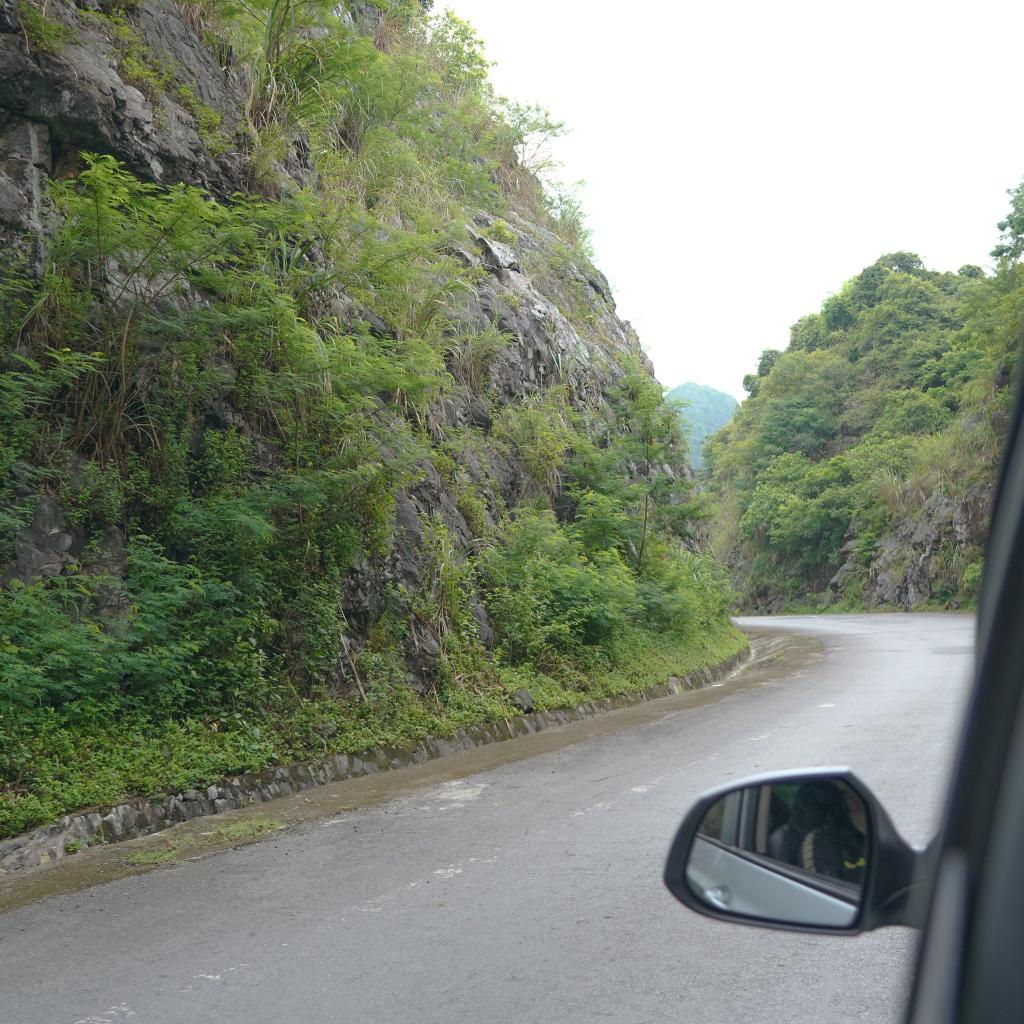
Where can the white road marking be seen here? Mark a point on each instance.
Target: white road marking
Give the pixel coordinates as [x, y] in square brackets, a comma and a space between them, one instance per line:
[447, 797]
[115, 1013]
[224, 970]
[459, 791]
[376, 904]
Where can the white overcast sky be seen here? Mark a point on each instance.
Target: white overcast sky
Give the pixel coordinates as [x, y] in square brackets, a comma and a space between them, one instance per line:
[743, 159]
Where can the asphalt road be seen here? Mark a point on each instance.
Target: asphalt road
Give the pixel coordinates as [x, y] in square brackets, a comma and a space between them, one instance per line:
[530, 893]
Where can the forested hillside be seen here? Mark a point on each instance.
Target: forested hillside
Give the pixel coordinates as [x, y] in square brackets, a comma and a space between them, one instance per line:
[704, 411]
[859, 470]
[317, 425]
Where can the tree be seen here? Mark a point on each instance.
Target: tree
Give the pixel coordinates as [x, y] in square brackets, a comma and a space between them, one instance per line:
[1011, 246]
[769, 357]
[641, 467]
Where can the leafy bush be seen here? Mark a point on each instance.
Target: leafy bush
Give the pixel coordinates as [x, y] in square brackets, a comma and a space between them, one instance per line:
[182, 643]
[912, 412]
[539, 433]
[684, 594]
[41, 31]
[546, 596]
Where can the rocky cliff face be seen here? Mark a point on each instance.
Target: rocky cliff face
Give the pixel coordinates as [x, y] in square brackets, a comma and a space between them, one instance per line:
[549, 349]
[922, 560]
[58, 101]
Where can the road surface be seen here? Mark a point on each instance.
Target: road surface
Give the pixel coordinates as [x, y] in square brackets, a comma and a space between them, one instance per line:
[530, 893]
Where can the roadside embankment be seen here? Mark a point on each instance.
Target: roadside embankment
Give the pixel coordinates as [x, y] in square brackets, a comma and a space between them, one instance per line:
[771, 656]
[139, 816]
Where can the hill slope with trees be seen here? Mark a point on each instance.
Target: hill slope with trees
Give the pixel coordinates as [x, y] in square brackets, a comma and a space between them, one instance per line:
[860, 468]
[318, 428]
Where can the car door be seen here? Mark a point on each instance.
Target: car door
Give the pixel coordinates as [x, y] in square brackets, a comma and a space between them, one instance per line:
[971, 962]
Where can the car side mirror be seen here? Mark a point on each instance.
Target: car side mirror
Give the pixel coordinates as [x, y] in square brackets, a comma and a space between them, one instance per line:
[809, 851]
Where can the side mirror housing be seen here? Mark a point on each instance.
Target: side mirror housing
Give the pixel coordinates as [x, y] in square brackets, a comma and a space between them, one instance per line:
[809, 851]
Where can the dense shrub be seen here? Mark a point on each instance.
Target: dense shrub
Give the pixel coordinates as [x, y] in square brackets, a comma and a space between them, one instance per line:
[546, 596]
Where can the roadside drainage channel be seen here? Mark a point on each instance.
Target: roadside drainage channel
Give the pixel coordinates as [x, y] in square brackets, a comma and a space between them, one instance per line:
[140, 817]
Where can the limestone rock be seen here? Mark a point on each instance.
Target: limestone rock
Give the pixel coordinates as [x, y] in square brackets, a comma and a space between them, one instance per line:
[523, 700]
[43, 549]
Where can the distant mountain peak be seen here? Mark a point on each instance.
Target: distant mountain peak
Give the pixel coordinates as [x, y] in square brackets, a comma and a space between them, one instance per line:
[706, 411]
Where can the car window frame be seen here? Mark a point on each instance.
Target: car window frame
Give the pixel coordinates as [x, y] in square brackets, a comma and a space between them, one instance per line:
[951, 983]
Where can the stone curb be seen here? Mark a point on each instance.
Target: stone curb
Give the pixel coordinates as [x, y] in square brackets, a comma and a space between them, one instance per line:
[141, 816]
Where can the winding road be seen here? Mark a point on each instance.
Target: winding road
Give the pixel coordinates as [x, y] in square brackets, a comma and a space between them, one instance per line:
[531, 892]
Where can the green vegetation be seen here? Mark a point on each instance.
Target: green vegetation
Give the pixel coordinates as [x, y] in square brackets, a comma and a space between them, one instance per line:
[175, 847]
[69, 762]
[224, 398]
[859, 469]
[40, 30]
[704, 412]
[167, 855]
[257, 825]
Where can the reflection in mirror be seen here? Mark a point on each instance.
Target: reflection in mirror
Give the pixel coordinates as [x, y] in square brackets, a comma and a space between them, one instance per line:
[793, 852]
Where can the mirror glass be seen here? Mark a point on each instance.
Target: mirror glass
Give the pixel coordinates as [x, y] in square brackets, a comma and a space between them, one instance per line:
[794, 852]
